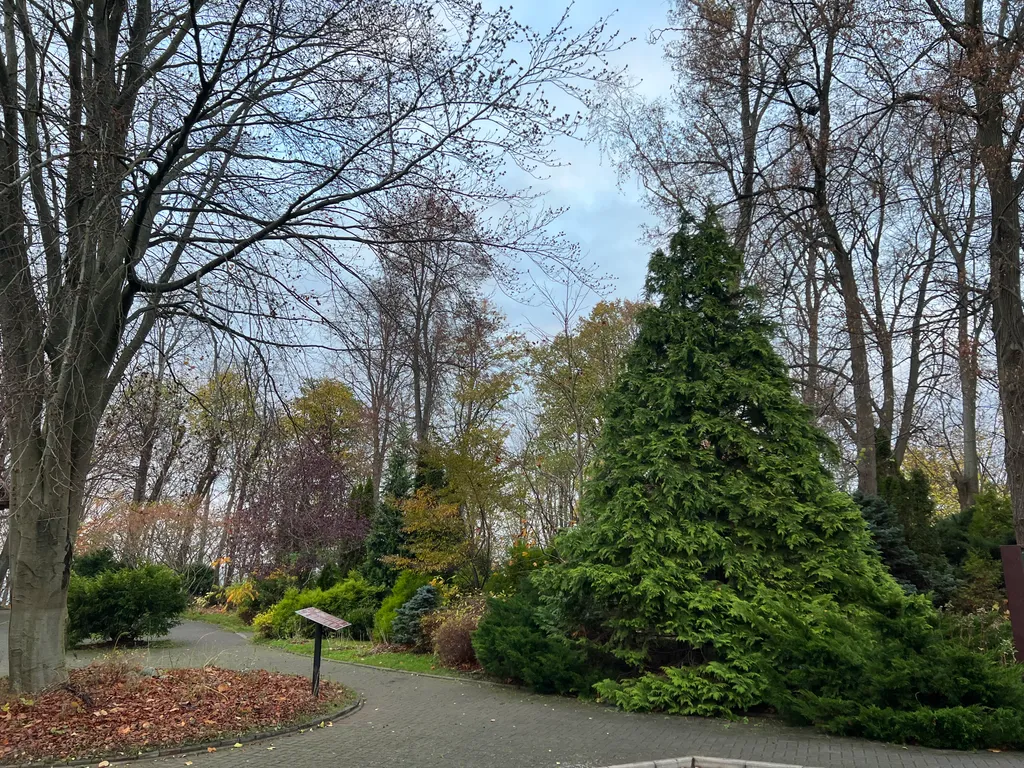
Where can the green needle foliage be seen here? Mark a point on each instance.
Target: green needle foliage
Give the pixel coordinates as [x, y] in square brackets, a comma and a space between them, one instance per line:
[125, 604]
[717, 559]
[386, 537]
[406, 627]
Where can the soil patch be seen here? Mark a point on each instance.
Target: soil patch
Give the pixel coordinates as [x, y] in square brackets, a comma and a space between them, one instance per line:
[115, 708]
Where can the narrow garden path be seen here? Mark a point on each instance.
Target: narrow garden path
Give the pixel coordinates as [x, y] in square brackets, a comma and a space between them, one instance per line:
[424, 722]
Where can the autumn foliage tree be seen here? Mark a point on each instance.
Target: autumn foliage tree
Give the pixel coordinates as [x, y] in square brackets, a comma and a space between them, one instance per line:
[435, 535]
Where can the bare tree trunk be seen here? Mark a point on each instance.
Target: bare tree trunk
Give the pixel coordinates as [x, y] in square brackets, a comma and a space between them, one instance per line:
[993, 55]
[968, 480]
[958, 237]
[5, 503]
[749, 124]
[149, 436]
[901, 440]
[47, 502]
[812, 306]
[1004, 264]
[204, 484]
[1007, 312]
[177, 439]
[867, 465]
[5, 560]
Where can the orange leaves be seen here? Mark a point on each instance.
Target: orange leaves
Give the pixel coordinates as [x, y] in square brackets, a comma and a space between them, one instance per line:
[116, 709]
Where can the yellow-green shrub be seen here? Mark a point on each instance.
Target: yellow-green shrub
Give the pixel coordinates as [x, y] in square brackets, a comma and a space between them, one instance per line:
[353, 599]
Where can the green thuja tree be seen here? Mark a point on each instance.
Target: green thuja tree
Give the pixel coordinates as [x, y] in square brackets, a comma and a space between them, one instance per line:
[386, 536]
[708, 500]
[715, 555]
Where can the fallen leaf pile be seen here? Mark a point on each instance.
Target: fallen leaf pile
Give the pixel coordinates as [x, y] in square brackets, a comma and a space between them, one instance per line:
[113, 708]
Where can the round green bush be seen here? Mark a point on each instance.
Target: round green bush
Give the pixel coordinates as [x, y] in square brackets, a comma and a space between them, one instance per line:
[125, 605]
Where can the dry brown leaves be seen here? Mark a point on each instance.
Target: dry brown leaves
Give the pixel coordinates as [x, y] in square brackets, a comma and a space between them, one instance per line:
[113, 708]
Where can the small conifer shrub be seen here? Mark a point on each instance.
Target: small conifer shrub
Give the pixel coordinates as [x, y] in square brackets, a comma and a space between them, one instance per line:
[406, 628]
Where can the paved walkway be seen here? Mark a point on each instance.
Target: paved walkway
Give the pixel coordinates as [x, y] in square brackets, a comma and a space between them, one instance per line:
[422, 722]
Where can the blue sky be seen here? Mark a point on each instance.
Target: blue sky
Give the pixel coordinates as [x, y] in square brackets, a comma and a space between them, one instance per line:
[604, 217]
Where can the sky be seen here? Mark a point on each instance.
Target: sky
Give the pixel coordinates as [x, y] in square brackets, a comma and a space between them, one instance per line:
[605, 214]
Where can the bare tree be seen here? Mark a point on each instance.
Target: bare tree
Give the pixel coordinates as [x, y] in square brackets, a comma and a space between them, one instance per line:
[949, 189]
[371, 330]
[435, 258]
[796, 123]
[981, 48]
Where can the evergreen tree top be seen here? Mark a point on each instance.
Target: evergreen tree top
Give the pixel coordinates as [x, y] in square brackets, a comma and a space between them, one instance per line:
[700, 270]
[704, 375]
[398, 481]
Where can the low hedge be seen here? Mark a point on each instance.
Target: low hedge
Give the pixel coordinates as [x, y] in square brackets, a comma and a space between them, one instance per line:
[353, 599]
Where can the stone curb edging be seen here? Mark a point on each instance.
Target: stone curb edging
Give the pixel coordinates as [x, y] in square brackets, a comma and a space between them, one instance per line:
[192, 749]
[705, 762]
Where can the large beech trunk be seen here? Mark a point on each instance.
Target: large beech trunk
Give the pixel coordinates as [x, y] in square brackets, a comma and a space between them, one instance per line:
[38, 610]
[46, 506]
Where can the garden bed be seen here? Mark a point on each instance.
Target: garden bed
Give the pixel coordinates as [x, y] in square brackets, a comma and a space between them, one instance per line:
[386, 657]
[111, 709]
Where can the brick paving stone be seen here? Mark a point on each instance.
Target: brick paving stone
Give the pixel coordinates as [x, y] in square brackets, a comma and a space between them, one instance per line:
[411, 721]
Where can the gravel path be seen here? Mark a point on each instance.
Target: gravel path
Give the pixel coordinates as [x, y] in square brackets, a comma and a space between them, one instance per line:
[422, 722]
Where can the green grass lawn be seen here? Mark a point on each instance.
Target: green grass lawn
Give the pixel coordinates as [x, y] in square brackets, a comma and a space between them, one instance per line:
[229, 621]
[360, 652]
[338, 649]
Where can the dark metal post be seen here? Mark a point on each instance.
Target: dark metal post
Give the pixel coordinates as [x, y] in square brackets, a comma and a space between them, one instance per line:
[1013, 571]
[321, 620]
[317, 643]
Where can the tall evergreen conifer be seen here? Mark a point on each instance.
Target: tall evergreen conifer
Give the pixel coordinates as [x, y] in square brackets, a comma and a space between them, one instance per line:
[708, 508]
[717, 560]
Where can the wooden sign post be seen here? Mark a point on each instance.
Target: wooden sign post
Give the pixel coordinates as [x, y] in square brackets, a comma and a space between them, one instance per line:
[321, 619]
